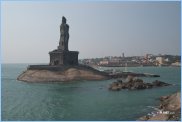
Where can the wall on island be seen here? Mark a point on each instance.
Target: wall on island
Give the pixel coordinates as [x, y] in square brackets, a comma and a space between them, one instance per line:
[64, 67]
[59, 57]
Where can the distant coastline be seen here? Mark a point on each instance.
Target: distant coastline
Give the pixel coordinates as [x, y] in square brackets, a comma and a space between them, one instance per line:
[132, 66]
[134, 61]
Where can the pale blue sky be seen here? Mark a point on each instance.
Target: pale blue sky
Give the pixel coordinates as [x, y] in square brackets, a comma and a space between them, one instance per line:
[97, 29]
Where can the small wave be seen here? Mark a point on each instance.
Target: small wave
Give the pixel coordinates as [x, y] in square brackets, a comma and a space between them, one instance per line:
[155, 112]
[153, 107]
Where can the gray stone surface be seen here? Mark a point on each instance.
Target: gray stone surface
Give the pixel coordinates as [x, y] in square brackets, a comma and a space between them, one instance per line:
[64, 73]
[64, 35]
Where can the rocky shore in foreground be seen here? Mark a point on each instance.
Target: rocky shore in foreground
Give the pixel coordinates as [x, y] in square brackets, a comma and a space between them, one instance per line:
[168, 110]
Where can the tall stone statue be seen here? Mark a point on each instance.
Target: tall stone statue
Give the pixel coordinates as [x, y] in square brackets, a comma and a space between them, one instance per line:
[62, 56]
[64, 35]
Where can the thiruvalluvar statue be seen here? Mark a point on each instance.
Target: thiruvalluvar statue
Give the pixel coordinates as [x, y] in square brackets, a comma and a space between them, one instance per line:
[64, 35]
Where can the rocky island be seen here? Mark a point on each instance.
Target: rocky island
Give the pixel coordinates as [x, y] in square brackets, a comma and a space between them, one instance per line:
[133, 83]
[44, 73]
[63, 64]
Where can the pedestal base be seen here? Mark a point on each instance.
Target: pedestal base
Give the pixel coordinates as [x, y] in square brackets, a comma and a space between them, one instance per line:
[61, 57]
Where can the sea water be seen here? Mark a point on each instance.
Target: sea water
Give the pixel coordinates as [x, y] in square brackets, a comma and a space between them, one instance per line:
[81, 100]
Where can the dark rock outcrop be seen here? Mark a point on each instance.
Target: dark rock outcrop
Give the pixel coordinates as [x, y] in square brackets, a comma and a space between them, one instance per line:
[159, 83]
[134, 83]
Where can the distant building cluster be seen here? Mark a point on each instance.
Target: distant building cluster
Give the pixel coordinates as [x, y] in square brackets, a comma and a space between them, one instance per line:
[132, 61]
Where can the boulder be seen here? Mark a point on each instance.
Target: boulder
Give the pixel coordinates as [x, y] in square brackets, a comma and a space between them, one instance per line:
[139, 85]
[159, 83]
[119, 80]
[135, 84]
[137, 80]
[148, 85]
[115, 86]
[129, 78]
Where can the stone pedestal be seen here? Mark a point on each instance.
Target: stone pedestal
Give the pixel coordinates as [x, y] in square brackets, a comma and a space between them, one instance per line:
[62, 57]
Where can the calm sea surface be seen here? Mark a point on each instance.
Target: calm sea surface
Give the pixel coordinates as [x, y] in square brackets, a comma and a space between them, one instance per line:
[80, 100]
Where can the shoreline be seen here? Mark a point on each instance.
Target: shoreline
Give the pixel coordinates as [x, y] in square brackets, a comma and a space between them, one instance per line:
[169, 109]
[63, 73]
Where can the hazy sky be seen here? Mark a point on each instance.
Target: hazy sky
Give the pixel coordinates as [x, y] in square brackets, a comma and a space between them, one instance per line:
[97, 29]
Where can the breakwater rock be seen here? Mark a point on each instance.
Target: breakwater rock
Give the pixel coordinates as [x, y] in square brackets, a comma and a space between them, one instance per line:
[135, 84]
[169, 109]
[46, 73]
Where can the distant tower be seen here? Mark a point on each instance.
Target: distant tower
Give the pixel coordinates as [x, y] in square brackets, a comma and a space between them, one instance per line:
[123, 55]
[146, 58]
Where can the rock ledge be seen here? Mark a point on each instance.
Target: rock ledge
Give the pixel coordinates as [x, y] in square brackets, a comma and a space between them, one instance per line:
[61, 74]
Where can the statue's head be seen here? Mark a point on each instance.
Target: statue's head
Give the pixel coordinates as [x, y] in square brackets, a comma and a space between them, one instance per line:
[63, 19]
